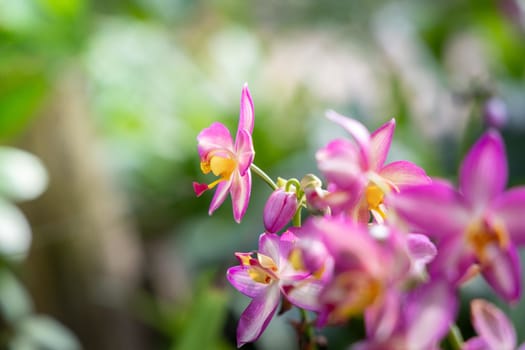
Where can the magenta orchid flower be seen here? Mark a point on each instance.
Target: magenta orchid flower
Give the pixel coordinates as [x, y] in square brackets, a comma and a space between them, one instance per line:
[263, 276]
[479, 224]
[365, 266]
[228, 160]
[356, 172]
[495, 331]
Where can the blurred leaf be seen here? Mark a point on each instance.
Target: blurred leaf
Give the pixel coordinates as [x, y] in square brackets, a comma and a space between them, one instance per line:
[14, 299]
[203, 328]
[42, 332]
[20, 96]
[62, 8]
[15, 232]
[22, 175]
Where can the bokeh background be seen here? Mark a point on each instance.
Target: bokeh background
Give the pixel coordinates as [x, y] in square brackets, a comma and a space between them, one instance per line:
[104, 244]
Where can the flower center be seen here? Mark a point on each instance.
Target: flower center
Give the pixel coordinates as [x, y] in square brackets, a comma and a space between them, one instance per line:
[261, 268]
[350, 294]
[482, 234]
[220, 166]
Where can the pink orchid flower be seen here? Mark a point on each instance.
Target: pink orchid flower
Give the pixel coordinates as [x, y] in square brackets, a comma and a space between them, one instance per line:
[480, 224]
[264, 275]
[364, 267]
[495, 331]
[358, 178]
[228, 160]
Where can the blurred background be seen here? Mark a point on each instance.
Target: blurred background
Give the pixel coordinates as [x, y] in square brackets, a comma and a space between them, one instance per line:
[103, 242]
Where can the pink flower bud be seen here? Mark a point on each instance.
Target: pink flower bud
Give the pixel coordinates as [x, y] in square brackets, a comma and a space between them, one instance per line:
[279, 210]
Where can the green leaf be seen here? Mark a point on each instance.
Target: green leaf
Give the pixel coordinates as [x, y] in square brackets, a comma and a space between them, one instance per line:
[203, 329]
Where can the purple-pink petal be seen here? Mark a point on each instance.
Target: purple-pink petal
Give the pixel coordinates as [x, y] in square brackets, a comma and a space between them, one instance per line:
[492, 325]
[246, 114]
[305, 294]
[244, 151]
[380, 142]
[214, 137]
[340, 163]
[503, 272]
[436, 209]
[509, 208]
[403, 173]
[483, 173]
[239, 277]
[476, 343]
[240, 193]
[429, 312]
[358, 131]
[269, 245]
[221, 192]
[257, 315]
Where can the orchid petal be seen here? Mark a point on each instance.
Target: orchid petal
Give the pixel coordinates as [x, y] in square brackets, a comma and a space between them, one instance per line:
[358, 131]
[476, 343]
[240, 192]
[503, 272]
[380, 142]
[214, 137]
[305, 294]
[269, 245]
[220, 195]
[244, 151]
[436, 209]
[340, 164]
[241, 280]
[429, 312]
[382, 319]
[257, 315]
[509, 208]
[452, 261]
[246, 115]
[404, 173]
[421, 251]
[492, 325]
[483, 173]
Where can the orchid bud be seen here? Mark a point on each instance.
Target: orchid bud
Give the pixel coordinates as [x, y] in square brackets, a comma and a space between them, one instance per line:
[279, 210]
[495, 113]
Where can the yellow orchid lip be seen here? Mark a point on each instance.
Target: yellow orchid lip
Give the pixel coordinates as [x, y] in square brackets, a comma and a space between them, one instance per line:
[220, 166]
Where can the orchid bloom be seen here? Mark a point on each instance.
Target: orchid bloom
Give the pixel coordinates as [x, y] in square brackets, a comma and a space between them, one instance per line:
[228, 160]
[480, 224]
[364, 267]
[264, 275]
[416, 320]
[495, 331]
[357, 176]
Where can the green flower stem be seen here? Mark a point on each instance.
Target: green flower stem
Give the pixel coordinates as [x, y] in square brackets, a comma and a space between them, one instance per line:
[455, 338]
[264, 176]
[296, 221]
[307, 341]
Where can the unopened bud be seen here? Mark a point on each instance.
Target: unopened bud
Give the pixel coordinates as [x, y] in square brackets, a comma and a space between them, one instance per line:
[279, 210]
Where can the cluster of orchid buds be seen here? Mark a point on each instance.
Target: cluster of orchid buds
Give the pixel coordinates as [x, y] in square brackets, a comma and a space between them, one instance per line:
[384, 243]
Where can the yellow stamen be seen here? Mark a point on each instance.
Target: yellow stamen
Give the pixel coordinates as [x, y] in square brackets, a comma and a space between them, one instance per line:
[481, 234]
[219, 166]
[374, 198]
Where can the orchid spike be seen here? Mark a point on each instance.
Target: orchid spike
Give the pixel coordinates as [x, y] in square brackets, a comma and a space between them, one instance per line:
[228, 160]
